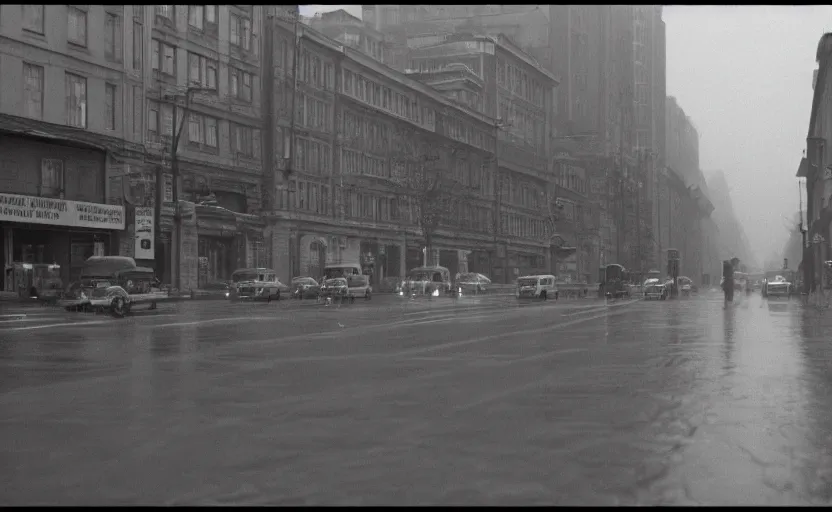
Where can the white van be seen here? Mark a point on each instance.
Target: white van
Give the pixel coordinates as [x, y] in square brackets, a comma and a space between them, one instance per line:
[536, 287]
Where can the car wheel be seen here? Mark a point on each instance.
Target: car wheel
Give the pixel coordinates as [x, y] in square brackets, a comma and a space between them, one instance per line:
[367, 295]
[118, 307]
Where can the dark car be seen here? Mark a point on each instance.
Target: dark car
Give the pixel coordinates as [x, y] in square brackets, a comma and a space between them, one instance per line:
[305, 288]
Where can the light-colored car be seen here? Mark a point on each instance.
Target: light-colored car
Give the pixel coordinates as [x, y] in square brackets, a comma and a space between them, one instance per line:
[541, 287]
[778, 288]
[358, 283]
[472, 282]
[655, 289]
[433, 281]
[256, 284]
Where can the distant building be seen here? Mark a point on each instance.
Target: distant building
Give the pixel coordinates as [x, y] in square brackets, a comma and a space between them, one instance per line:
[342, 145]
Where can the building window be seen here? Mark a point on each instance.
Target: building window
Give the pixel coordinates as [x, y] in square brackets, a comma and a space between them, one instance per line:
[110, 106]
[112, 38]
[153, 121]
[240, 84]
[164, 57]
[138, 111]
[202, 71]
[195, 125]
[245, 141]
[211, 132]
[241, 31]
[76, 26]
[196, 16]
[165, 11]
[138, 45]
[51, 177]
[33, 91]
[33, 18]
[159, 121]
[202, 130]
[76, 101]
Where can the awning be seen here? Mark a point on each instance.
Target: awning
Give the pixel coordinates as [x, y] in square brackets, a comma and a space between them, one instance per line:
[803, 168]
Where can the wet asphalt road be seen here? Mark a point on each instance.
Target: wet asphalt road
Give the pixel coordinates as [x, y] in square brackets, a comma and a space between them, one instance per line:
[478, 401]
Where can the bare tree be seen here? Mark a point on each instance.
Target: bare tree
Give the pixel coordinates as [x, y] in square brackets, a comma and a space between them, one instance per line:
[424, 182]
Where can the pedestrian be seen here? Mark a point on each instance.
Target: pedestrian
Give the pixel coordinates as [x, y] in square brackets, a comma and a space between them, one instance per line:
[728, 281]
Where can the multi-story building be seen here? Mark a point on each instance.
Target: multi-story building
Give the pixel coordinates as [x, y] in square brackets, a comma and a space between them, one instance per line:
[816, 168]
[732, 241]
[684, 206]
[520, 94]
[67, 75]
[358, 132]
[204, 64]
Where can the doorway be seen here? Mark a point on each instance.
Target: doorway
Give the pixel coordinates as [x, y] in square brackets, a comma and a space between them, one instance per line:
[317, 259]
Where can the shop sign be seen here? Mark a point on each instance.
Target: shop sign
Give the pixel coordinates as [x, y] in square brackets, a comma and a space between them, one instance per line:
[144, 234]
[60, 212]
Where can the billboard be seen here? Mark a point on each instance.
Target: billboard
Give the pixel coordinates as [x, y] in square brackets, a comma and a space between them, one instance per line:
[144, 234]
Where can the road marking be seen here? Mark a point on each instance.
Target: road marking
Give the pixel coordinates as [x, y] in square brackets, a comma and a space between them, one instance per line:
[64, 324]
[538, 330]
[231, 319]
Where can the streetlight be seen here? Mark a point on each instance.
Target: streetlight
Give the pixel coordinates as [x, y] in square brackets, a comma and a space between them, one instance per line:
[499, 125]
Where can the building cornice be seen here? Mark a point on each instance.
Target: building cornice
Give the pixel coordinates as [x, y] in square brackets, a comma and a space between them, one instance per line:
[390, 73]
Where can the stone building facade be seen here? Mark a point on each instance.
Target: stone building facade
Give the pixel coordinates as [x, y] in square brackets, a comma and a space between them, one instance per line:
[356, 126]
[64, 89]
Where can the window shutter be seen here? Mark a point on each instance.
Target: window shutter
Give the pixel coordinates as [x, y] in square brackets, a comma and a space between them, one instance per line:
[119, 35]
[255, 144]
[234, 30]
[232, 131]
[167, 115]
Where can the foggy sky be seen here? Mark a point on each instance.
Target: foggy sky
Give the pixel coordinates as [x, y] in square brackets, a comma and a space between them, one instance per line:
[744, 76]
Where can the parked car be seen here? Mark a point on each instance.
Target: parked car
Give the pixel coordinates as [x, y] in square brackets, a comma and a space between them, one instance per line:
[432, 281]
[256, 284]
[335, 290]
[305, 288]
[472, 282]
[114, 284]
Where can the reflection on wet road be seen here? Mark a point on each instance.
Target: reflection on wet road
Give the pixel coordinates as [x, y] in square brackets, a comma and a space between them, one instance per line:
[399, 402]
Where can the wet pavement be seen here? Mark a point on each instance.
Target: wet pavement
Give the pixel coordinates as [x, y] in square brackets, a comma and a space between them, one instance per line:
[473, 401]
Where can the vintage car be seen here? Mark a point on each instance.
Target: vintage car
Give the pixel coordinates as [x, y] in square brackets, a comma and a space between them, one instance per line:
[654, 288]
[256, 284]
[615, 281]
[541, 287]
[686, 286]
[358, 283]
[115, 284]
[335, 289]
[432, 281]
[778, 288]
[305, 288]
[472, 282]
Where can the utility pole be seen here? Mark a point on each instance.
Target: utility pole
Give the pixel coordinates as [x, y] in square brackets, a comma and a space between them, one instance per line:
[176, 248]
[639, 261]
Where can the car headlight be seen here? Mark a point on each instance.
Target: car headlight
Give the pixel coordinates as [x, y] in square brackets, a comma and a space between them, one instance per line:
[227, 294]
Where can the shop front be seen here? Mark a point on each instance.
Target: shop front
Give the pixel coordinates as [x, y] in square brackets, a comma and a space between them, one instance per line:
[46, 241]
[226, 241]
